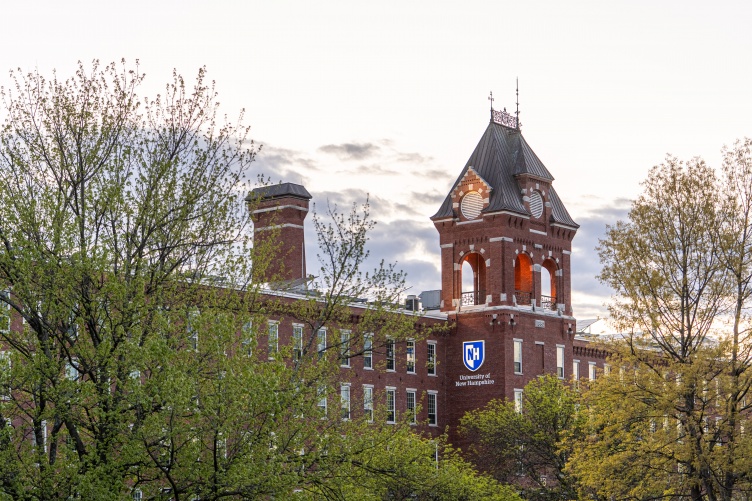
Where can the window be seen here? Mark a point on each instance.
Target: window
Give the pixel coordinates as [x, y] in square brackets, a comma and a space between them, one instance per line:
[411, 406]
[43, 430]
[344, 397]
[368, 351]
[368, 402]
[321, 341]
[518, 400]
[192, 328]
[247, 341]
[71, 370]
[273, 339]
[344, 348]
[431, 358]
[390, 354]
[322, 401]
[606, 370]
[591, 370]
[5, 366]
[4, 310]
[560, 361]
[137, 495]
[297, 342]
[410, 357]
[432, 421]
[576, 370]
[518, 356]
[391, 411]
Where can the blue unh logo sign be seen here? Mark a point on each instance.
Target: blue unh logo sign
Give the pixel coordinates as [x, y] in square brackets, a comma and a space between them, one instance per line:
[473, 353]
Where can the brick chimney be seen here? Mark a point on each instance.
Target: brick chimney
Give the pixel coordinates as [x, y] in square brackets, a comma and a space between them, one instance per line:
[278, 212]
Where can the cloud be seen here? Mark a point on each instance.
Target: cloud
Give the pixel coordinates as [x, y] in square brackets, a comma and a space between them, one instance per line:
[351, 151]
[285, 165]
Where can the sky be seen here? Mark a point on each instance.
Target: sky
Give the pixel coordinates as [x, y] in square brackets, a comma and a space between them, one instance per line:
[387, 100]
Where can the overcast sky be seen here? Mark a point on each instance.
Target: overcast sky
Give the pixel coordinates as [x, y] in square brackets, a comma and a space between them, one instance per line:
[388, 99]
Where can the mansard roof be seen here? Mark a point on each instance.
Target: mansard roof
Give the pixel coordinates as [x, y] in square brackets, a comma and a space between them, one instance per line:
[501, 155]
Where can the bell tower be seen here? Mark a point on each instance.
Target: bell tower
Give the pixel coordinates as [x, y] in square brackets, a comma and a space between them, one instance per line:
[506, 241]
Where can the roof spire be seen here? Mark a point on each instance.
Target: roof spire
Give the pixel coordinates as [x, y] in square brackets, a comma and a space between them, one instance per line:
[518, 102]
[490, 98]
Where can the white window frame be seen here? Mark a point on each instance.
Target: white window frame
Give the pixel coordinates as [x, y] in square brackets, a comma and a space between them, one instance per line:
[432, 406]
[321, 341]
[391, 405]
[368, 402]
[591, 370]
[560, 361]
[517, 356]
[6, 311]
[576, 370]
[272, 330]
[344, 398]
[411, 398]
[247, 341]
[518, 400]
[191, 328]
[345, 337]
[391, 360]
[368, 351]
[410, 356]
[431, 358]
[5, 367]
[322, 403]
[297, 342]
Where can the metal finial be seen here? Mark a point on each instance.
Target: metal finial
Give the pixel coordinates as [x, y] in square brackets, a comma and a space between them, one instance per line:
[490, 98]
[517, 80]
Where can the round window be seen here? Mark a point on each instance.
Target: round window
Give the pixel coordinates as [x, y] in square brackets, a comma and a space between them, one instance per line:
[536, 204]
[471, 205]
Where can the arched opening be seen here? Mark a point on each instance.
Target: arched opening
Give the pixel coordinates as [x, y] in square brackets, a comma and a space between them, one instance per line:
[473, 279]
[548, 298]
[523, 279]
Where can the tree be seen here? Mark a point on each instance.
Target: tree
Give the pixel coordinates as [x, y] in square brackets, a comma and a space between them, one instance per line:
[525, 448]
[669, 422]
[131, 330]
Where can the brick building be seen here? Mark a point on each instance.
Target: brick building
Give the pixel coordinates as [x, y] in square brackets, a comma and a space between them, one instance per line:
[505, 244]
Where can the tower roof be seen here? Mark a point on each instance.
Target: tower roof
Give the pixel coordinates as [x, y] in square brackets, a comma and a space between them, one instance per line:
[501, 155]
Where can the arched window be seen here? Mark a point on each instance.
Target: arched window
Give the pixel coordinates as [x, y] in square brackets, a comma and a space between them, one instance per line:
[473, 279]
[548, 298]
[523, 279]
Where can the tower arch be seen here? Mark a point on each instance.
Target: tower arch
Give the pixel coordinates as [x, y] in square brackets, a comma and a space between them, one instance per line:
[523, 279]
[472, 279]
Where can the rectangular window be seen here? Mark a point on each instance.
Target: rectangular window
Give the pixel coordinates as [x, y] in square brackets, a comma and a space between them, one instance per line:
[576, 370]
[410, 350]
[560, 361]
[5, 367]
[71, 370]
[518, 356]
[606, 370]
[518, 400]
[368, 402]
[391, 411]
[273, 339]
[322, 401]
[297, 342]
[344, 348]
[321, 341]
[344, 398]
[43, 429]
[192, 328]
[368, 351]
[248, 338]
[431, 358]
[432, 420]
[4, 311]
[390, 354]
[411, 406]
[591, 370]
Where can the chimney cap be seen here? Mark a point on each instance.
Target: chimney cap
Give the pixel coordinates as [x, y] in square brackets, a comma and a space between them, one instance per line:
[282, 190]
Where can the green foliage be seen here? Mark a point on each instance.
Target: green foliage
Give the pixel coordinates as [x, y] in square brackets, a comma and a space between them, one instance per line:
[525, 448]
[135, 339]
[671, 421]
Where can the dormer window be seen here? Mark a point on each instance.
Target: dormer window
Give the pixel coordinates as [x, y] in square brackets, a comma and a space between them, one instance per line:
[471, 205]
[536, 204]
